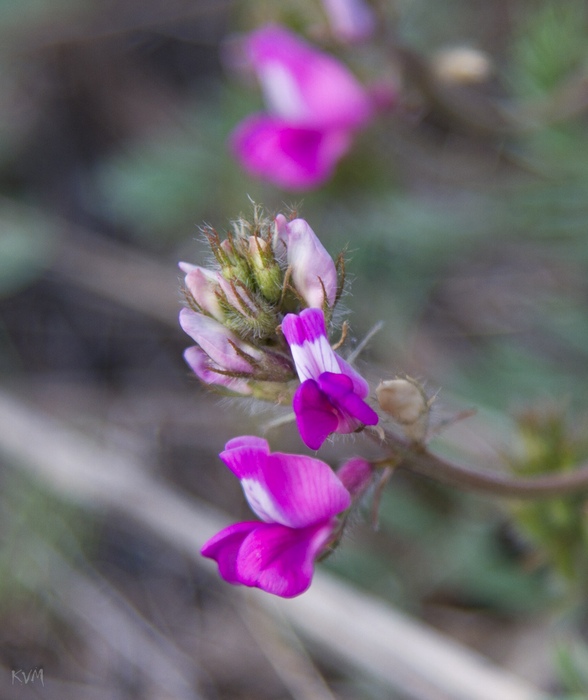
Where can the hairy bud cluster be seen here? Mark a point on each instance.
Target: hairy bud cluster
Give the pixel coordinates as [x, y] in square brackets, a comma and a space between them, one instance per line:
[265, 269]
[260, 322]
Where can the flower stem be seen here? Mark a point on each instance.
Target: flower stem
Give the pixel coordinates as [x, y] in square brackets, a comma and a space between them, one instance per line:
[417, 459]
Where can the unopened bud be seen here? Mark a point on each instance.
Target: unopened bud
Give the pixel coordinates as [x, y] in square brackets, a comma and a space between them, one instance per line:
[314, 274]
[214, 375]
[234, 267]
[246, 313]
[202, 287]
[356, 475]
[266, 271]
[406, 402]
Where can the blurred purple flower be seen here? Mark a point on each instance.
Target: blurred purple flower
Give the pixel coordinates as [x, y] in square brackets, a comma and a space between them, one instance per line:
[330, 398]
[313, 271]
[297, 498]
[315, 106]
[351, 20]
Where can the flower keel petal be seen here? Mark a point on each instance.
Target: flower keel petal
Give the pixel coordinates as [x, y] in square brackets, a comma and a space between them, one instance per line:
[224, 548]
[316, 417]
[339, 389]
[280, 560]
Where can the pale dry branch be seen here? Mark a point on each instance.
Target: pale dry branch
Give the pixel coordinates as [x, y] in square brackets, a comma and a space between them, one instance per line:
[116, 628]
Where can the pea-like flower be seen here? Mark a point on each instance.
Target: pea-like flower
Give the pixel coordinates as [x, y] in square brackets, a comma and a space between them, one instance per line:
[315, 106]
[297, 499]
[330, 398]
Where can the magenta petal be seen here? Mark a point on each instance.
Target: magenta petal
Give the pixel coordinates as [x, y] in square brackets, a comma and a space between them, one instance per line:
[291, 157]
[280, 560]
[316, 416]
[360, 386]
[339, 389]
[303, 85]
[305, 490]
[224, 548]
[246, 456]
[292, 490]
[309, 345]
[248, 459]
[306, 327]
[248, 441]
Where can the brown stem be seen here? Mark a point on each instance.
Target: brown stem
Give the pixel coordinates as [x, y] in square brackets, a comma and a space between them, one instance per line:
[419, 460]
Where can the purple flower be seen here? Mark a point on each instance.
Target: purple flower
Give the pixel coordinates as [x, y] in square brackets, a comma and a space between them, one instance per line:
[330, 398]
[313, 271]
[315, 106]
[219, 353]
[291, 157]
[297, 498]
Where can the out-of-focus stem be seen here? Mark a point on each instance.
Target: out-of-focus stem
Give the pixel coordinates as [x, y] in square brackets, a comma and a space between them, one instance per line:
[417, 459]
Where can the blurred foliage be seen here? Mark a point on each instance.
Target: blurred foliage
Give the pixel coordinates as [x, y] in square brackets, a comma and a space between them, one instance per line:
[18, 13]
[156, 185]
[433, 546]
[550, 46]
[572, 666]
[35, 526]
[27, 246]
[557, 526]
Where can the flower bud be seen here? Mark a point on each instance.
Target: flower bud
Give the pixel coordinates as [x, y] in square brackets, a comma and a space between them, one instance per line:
[406, 402]
[246, 313]
[314, 275]
[233, 265]
[203, 287]
[228, 355]
[356, 475]
[462, 65]
[228, 352]
[266, 271]
[212, 374]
